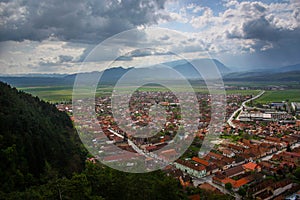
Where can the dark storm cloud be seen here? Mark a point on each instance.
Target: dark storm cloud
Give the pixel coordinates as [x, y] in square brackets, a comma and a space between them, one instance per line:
[283, 39]
[261, 29]
[79, 20]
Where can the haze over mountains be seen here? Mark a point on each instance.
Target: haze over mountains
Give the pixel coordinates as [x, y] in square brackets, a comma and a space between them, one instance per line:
[112, 75]
[284, 73]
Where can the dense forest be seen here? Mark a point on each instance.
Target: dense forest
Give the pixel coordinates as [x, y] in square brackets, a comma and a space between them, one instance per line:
[35, 138]
[41, 157]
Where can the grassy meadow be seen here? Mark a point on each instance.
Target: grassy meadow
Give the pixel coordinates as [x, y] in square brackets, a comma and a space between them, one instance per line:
[50, 93]
[292, 95]
[56, 94]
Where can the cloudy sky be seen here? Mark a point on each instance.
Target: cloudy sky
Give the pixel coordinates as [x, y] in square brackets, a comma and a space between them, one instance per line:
[54, 36]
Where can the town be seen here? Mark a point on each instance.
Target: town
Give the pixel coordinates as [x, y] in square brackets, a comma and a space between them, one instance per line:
[256, 156]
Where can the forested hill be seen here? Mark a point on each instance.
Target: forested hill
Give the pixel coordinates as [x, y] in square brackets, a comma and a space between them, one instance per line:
[34, 138]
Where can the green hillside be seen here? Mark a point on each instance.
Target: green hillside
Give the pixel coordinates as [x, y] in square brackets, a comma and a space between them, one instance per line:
[34, 138]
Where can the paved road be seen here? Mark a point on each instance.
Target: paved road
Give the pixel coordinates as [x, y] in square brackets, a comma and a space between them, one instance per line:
[140, 151]
[229, 121]
[268, 157]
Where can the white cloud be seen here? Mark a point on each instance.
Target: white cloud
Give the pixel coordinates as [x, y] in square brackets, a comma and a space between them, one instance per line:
[205, 20]
[230, 3]
[33, 56]
[194, 8]
[178, 17]
[242, 28]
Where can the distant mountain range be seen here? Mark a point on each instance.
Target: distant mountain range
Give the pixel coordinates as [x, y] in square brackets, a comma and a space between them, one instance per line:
[186, 69]
[286, 73]
[189, 71]
[289, 68]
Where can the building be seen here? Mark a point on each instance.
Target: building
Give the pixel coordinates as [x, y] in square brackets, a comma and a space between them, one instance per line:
[272, 189]
[195, 170]
[296, 107]
[278, 105]
[254, 116]
[201, 161]
[228, 153]
[250, 166]
[234, 171]
[222, 180]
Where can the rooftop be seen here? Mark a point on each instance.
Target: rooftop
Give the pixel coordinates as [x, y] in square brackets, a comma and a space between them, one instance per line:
[200, 161]
[250, 165]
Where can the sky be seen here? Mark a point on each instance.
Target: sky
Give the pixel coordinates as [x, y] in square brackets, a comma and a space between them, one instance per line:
[54, 36]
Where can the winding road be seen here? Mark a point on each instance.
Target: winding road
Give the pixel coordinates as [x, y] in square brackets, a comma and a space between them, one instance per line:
[229, 121]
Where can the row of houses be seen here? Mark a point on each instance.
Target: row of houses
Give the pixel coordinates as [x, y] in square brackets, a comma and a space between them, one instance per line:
[269, 189]
[222, 178]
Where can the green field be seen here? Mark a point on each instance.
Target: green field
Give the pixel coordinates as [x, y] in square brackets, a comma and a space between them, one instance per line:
[64, 93]
[279, 95]
[56, 94]
[51, 93]
[243, 92]
[260, 84]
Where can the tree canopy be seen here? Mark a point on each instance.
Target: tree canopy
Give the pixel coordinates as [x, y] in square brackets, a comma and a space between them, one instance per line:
[34, 137]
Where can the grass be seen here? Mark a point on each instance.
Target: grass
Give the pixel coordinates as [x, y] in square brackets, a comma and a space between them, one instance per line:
[64, 93]
[290, 84]
[56, 94]
[50, 93]
[243, 92]
[279, 95]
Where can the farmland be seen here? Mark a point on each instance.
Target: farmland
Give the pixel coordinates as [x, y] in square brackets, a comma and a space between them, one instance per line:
[56, 94]
[50, 93]
[279, 95]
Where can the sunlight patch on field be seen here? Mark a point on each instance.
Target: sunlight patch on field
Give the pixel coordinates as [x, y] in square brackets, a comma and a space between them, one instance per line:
[279, 96]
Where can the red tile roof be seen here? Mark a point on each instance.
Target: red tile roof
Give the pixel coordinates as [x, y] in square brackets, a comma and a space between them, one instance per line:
[201, 161]
[228, 180]
[240, 182]
[236, 184]
[251, 166]
[218, 156]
